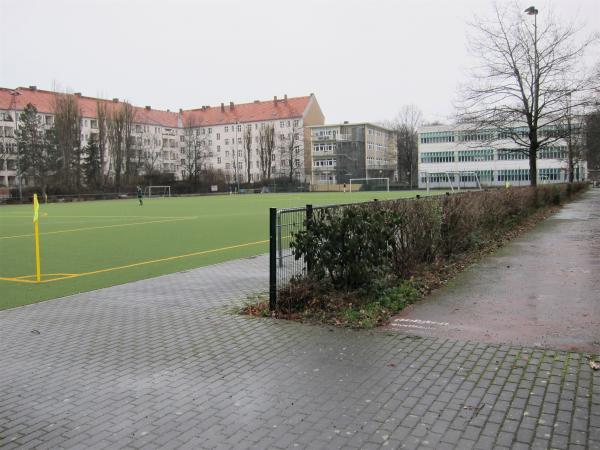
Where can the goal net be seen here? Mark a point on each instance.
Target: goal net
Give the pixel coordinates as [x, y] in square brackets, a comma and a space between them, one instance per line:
[157, 191]
[455, 180]
[370, 184]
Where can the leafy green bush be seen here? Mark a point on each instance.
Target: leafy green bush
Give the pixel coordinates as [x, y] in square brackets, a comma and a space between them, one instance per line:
[348, 245]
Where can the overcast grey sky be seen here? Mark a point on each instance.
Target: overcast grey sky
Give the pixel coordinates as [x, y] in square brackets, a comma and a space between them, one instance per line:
[362, 59]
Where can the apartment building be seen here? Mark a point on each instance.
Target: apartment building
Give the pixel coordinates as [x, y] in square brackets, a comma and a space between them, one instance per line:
[340, 152]
[162, 139]
[229, 136]
[450, 155]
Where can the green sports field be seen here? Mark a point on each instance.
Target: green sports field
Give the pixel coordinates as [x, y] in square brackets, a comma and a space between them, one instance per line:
[90, 245]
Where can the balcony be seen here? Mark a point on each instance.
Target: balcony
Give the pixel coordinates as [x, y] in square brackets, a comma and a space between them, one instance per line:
[323, 138]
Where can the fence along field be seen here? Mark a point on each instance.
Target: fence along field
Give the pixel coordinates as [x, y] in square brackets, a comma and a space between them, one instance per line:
[90, 245]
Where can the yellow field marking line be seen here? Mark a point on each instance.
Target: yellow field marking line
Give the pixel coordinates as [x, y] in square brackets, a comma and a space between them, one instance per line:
[71, 230]
[51, 216]
[22, 279]
[31, 278]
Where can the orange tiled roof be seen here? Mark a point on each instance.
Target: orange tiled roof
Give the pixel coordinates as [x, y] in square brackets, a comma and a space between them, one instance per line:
[44, 102]
[246, 112]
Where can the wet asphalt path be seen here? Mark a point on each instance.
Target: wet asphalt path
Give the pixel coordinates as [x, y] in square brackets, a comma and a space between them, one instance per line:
[540, 290]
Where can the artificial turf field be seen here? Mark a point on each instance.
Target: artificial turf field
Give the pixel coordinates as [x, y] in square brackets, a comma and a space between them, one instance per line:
[91, 245]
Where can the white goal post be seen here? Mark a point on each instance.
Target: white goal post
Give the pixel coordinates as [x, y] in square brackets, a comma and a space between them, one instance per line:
[453, 177]
[368, 180]
[158, 191]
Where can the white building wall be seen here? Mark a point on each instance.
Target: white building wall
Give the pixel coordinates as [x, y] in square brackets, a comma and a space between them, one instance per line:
[550, 170]
[223, 148]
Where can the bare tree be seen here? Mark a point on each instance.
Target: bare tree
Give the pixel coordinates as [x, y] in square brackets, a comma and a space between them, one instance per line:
[247, 142]
[266, 145]
[115, 125]
[289, 147]
[406, 130]
[525, 73]
[591, 134]
[128, 141]
[67, 131]
[102, 137]
[192, 151]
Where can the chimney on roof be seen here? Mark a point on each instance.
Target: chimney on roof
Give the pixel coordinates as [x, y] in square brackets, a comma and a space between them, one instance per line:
[275, 99]
[33, 88]
[180, 110]
[231, 105]
[256, 101]
[312, 94]
[285, 98]
[168, 110]
[222, 107]
[346, 122]
[148, 107]
[77, 94]
[115, 100]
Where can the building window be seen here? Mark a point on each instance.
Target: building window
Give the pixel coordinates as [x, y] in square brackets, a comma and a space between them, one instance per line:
[218, 136]
[476, 155]
[437, 157]
[281, 124]
[226, 129]
[507, 154]
[553, 153]
[239, 128]
[210, 131]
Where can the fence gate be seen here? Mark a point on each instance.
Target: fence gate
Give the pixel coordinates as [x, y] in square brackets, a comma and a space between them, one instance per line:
[283, 266]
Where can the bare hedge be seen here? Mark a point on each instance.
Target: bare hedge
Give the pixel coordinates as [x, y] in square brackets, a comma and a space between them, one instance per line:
[353, 246]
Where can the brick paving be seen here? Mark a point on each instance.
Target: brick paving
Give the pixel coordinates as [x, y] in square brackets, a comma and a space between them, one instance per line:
[163, 363]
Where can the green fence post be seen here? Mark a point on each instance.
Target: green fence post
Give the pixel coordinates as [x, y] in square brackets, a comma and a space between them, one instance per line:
[272, 258]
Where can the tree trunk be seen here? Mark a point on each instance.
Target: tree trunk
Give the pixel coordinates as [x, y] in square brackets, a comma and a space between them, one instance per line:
[532, 167]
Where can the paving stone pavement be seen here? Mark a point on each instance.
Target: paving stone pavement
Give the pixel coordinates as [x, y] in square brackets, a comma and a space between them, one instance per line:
[163, 363]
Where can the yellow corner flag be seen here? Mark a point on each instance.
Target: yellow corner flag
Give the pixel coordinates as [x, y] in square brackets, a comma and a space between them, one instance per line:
[36, 207]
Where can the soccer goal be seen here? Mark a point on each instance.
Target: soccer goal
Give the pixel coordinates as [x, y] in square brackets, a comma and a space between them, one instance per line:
[158, 191]
[455, 180]
[374, 184]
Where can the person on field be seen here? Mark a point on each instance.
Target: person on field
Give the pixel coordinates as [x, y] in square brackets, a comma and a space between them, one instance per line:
[139, 195]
